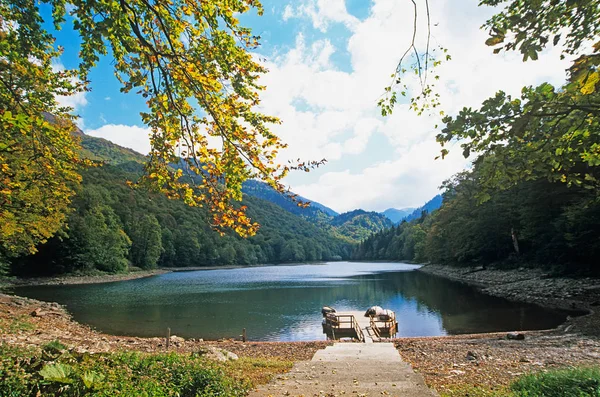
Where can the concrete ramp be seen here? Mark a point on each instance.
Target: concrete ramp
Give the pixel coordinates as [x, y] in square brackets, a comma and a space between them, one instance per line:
[350, 369]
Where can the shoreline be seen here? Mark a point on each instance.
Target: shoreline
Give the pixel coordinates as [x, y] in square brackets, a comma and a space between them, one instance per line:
[71, 279]
[13, 282]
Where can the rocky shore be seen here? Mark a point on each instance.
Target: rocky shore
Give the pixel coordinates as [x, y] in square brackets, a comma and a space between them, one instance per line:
[80, 279]
[580, 295]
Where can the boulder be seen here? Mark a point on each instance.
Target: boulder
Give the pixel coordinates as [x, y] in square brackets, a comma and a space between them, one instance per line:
[515, 336]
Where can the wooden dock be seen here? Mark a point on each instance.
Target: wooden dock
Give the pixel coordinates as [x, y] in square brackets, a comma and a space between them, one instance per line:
[353, 324]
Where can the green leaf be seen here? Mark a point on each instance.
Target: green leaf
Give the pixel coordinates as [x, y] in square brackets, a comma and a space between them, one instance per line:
[494, 40]
[57, 373]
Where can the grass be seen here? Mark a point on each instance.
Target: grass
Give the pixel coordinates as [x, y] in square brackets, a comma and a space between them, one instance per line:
[15, 324]
[571, 382]
[55, 370]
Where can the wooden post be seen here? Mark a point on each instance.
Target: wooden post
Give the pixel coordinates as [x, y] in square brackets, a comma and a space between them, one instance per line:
[244, 335]
[168, 338]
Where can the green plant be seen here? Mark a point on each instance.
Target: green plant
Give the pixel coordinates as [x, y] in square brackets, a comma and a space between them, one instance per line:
[55, 370]
[571, 382]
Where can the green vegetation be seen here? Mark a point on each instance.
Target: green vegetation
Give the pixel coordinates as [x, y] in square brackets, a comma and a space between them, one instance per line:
[351, 226]
[14, 324]
[356, 225]
[54, 370]
[537, 223]
[572, 382]
[569, 382]
[112, 226]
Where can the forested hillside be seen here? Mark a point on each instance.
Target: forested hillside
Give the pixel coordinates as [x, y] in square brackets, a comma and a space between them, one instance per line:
[535, 223]
[359, 224]
[351, 226]
[315, 211]
[112, 226]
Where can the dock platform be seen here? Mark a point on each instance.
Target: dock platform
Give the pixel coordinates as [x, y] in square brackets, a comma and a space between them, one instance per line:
[354, 324]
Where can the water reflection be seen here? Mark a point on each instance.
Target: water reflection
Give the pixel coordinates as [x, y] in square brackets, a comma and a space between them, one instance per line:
[283, 302]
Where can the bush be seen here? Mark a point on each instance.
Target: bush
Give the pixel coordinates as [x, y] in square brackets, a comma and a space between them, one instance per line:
[573, 382]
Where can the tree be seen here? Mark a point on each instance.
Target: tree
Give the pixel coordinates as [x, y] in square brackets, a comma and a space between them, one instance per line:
[38, 157]
[547, 133]
[98, 242]
[146, 242]
[182, 56]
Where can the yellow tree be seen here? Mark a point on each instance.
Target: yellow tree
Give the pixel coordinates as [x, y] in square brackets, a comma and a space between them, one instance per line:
[37, 156]
[192, 62]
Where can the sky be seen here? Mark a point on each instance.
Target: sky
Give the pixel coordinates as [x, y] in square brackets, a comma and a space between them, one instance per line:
[329, 61]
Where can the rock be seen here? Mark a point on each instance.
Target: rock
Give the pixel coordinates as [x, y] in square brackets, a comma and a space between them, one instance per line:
[213, 353]
[177, 340]
[472, 356]
[595, 303]
[515, 336]
[38, 313]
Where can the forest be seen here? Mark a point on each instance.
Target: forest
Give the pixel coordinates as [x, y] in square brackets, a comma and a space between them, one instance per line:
[535, 223]
[111, 226]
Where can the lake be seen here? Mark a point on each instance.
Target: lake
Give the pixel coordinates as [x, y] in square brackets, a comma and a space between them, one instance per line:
[283, 303]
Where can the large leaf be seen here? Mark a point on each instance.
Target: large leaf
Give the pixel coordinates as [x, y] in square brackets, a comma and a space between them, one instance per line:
[57, 373]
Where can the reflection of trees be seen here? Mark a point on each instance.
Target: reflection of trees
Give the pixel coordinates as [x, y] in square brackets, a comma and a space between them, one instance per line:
[147, 307]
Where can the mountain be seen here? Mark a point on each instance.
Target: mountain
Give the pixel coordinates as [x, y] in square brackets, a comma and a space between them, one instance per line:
[350, 227]
[314, 211]
[430, 206]
[100, 149]
[357, 225]
[396, 215]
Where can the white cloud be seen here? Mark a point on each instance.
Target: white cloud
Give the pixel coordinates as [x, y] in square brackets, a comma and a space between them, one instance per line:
[129, 136]
[330, 113]
[321, 13]
[76, 101]
[411, 179]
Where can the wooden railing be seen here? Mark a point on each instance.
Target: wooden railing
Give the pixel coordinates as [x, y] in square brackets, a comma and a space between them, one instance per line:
[375, 328]
[336, 321]
[389, 326]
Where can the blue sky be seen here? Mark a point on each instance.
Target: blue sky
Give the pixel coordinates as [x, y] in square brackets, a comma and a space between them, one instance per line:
[329, 61]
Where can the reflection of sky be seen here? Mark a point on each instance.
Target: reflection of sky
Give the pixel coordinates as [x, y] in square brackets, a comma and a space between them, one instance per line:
[284, 302]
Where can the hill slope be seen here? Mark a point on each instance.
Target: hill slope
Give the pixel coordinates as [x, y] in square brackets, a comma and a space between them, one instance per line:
[112, 225]
[263, 191]
[357, 225]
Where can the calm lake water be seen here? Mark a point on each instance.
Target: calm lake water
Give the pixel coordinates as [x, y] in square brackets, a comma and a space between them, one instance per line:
[282, 303]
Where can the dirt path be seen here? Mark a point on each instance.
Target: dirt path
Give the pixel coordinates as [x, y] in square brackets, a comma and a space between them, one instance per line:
[354, 369]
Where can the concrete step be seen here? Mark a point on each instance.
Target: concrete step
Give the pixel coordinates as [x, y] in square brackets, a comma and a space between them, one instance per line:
[349, 369]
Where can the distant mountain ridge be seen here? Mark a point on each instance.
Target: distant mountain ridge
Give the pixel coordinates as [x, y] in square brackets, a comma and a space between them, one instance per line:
[429, 206]
[351, 226]
[397, 215]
